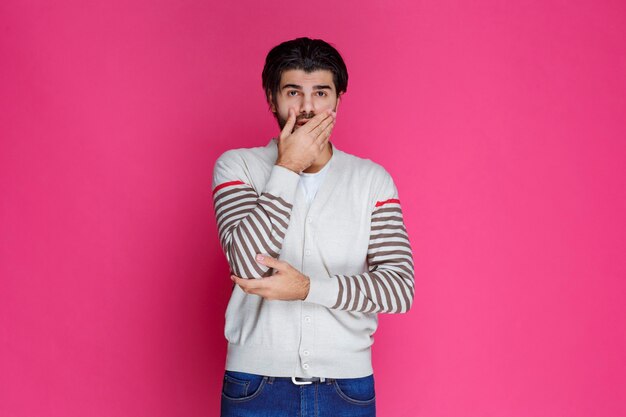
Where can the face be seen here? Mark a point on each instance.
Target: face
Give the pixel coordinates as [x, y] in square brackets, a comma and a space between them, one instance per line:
[307, 93]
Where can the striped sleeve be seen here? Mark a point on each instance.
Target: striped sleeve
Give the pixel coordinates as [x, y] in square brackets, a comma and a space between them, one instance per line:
[388, 286]
[249, 223]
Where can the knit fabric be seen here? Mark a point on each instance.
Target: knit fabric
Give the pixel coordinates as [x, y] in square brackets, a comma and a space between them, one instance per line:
[350, 241]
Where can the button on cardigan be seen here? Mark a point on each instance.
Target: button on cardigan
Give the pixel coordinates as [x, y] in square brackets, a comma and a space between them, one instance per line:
[350, 241]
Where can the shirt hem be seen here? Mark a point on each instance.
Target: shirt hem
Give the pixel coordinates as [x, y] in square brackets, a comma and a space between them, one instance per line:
[327, 363]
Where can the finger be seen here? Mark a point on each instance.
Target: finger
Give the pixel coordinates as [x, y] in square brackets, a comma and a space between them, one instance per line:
[291, 121]
[319, 118]
[320, 128]
[323, 130]
[269, 261]
[247, 290]
[324, 142]
[324, 137]
[247, 284]
[237, 280]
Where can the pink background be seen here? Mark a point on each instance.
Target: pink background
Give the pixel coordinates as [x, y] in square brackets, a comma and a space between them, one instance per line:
[501, 122]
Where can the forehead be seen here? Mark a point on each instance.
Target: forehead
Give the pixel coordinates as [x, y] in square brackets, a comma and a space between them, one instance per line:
[300, 77]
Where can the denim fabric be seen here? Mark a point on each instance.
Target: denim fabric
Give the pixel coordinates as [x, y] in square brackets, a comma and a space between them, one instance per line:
[251, 395]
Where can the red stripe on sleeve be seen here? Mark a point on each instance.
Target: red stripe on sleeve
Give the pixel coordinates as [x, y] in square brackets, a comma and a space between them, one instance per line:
[391, 200]
[226, 184]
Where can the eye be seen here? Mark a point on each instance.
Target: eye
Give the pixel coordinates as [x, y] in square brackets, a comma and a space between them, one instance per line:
[322, 93]
[291, 91]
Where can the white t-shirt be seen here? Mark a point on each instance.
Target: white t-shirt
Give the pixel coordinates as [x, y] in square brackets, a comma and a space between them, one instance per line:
[310, 182]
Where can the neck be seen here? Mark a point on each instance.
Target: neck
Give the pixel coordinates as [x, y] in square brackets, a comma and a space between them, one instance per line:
[321, 160]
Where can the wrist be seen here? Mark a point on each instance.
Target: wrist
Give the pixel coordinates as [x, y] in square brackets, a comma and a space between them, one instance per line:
[289, 166]
[306, 287]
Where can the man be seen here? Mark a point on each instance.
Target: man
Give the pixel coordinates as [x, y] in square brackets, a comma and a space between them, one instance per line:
[317, 246]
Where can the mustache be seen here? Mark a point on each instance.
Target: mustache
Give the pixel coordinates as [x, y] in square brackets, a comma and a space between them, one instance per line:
[305, 117]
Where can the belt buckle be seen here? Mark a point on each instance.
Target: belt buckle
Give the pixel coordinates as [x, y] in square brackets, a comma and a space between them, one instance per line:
[295, 381]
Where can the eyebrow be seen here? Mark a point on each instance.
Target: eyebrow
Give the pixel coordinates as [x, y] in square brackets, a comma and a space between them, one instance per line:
[299, 87]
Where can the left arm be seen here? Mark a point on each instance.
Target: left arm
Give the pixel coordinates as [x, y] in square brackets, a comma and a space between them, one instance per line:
[388, 287]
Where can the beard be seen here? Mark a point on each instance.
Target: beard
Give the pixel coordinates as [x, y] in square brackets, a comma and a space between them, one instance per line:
[282, 122]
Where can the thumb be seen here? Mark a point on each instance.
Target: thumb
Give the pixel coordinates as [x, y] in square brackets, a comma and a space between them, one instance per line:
[291, 121]
[268, 261]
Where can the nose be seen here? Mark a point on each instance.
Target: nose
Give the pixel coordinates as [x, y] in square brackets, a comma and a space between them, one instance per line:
[307, 105]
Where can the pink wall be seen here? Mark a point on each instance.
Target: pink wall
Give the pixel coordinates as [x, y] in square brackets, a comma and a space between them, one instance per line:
[501, 122]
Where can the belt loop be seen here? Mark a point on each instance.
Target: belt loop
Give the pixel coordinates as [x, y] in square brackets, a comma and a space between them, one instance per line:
[271, 380]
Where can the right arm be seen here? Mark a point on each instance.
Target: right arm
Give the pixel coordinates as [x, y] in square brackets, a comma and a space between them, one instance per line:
[249, 223]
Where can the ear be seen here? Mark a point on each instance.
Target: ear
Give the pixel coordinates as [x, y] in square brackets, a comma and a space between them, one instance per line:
[338, 101]
[272, 107]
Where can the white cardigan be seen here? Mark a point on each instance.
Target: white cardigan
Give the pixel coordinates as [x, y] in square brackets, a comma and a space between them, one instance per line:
[351, 242]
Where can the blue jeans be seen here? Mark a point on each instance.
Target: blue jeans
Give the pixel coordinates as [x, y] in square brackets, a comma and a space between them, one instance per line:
[251, 395]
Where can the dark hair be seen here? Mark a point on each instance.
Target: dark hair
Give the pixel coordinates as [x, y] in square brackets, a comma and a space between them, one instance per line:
[305, 54]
